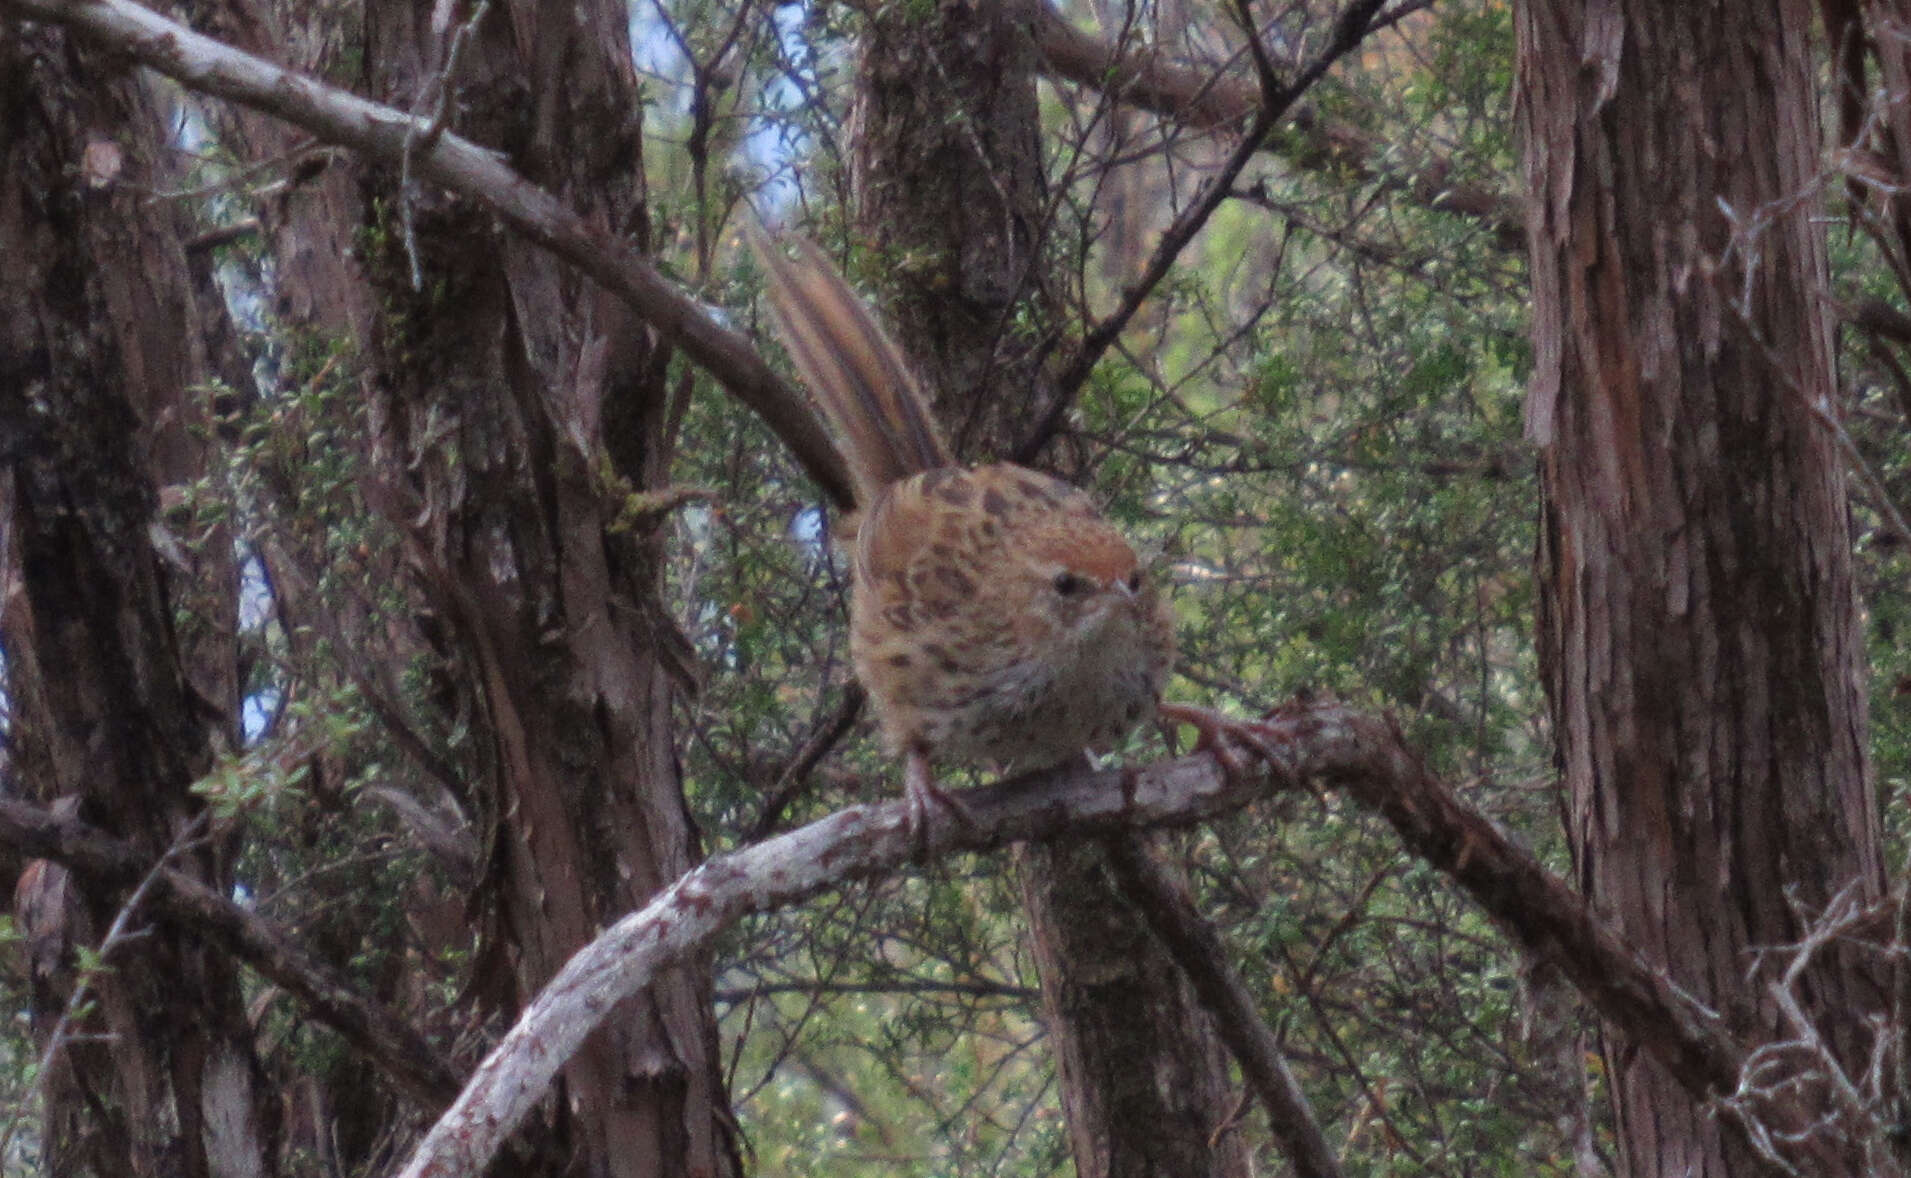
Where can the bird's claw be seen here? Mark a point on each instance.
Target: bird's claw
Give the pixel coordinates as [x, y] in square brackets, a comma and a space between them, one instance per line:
[922, 793]
[1223, 737]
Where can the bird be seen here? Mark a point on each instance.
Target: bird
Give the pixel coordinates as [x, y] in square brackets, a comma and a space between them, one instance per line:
[996, 616]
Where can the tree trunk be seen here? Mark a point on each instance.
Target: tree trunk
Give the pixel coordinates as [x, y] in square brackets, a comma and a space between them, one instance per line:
[948, 183]
[549, 384]
[502, 394]
[1699, 629]
[949, 175]
[1144, 1080]
[115, 710]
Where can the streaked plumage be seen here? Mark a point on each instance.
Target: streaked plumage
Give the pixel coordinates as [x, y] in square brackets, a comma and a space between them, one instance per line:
[995, 617]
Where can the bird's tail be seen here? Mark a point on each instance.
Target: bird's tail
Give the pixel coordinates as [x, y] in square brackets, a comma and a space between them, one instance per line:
[853, 370]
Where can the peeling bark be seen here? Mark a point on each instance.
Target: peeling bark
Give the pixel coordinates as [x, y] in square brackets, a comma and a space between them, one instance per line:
[114, 709]
[1699, 629]
[548, 381]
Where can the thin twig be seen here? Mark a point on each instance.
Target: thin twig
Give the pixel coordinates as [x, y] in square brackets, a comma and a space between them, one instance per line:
[439, 90]
[794, 778]
[1276, 99]
[118, 934]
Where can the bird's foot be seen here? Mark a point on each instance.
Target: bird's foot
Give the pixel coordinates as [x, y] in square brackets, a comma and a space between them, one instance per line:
[922, 793]
[1224, 737]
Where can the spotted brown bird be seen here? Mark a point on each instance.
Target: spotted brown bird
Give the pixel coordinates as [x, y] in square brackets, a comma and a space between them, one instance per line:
[995, 616]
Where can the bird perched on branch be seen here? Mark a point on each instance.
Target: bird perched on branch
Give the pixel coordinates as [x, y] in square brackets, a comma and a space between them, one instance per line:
[995, 616]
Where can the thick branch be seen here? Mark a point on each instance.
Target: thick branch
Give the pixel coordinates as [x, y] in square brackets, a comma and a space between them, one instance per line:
[407, 1057]
[1367, 758]
[1324, 743]
[1143, 77]
[380, 132]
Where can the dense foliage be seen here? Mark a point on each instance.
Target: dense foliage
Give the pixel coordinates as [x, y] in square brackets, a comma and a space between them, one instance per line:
[1315, 424]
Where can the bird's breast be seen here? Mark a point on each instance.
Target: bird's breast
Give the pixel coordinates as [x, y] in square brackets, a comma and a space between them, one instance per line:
[982, 687]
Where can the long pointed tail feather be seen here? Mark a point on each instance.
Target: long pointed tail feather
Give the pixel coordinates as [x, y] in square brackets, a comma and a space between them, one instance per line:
[853, 370]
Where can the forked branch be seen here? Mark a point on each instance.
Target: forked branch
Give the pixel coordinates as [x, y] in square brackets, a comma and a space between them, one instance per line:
[1276, 99]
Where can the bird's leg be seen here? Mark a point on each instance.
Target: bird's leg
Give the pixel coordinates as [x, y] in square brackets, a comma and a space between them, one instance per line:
[1220, 735]
[921, 792]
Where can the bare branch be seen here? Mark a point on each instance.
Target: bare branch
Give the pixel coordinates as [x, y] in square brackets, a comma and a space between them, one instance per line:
[1349, 28]
[1204, 99]
[1326, 744]
[1199, 952]
[1197, 98]
[794, 777]
[406, 1056]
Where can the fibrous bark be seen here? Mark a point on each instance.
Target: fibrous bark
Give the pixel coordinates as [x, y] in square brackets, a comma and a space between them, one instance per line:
[553, 390]
[114, 709]
[1699, 630]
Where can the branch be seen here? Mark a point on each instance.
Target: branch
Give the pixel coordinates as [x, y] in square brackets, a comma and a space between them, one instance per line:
[1197, 98]
[1368, 759]
[794, 778]
[1197, 949]
[1324, 743]
[1205, 99]
[1275, 100]
[381, 133]
[406, 1056]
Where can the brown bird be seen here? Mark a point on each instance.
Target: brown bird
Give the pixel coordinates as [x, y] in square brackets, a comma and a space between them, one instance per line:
[995, 616]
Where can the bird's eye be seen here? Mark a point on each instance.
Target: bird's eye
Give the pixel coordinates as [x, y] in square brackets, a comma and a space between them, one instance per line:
[1068, 584]
[1134, 581]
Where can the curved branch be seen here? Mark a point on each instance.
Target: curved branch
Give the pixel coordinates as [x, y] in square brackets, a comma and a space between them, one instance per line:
[1143, 77]
[381, 133]
[1322, 743]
